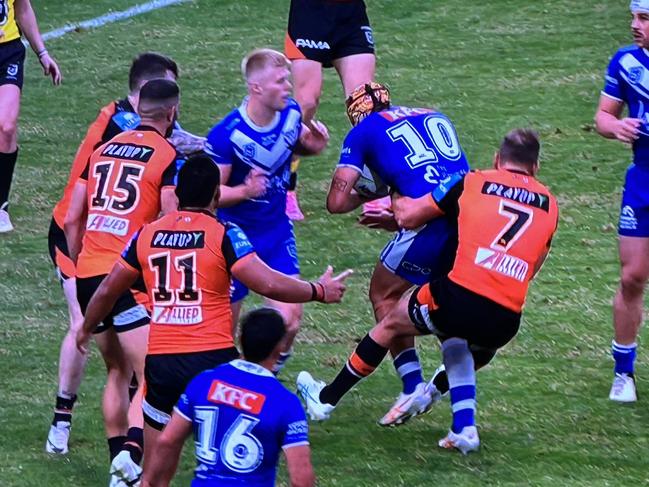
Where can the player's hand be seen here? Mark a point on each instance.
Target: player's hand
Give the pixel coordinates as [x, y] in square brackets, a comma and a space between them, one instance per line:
[50, 68]
[256, 183]
[315, 136]
[627, 130]
[333, 287]
[186, 142]
[382, 219]
[83, 339]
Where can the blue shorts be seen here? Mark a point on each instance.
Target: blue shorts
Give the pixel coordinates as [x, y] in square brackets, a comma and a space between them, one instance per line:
[276, 247]
[422, 254]
[634, 211]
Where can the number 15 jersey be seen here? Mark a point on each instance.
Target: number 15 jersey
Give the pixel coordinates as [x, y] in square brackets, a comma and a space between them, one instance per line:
[124, 179]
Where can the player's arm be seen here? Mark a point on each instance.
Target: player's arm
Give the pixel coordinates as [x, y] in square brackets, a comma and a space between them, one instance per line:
[254, 186]
[342, 198]
[314, 138]
[164, 460]
[75, 220]
[120, 279]
[610, 123]
[26, 19]
[299, 466]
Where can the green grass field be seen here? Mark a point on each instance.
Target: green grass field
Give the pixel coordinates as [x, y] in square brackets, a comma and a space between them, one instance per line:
[543, 410]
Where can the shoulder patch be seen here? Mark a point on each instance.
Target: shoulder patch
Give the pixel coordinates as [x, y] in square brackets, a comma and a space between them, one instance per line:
[127, 120]
[445, 185]
[240, 243]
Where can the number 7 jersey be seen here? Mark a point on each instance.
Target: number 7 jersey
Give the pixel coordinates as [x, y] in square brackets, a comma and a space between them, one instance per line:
[124, 179]
[506, 221]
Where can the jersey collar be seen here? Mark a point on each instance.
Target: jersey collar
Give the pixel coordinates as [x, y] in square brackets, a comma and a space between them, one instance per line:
[251, 368]
[253, 125]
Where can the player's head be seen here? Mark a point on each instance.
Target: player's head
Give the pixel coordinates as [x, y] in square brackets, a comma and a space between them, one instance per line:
[365, 99]
[148, 66]
[158, 102]
[262, 334]
[519, 149]
[640, 22]
[198, 183]
[268, 77]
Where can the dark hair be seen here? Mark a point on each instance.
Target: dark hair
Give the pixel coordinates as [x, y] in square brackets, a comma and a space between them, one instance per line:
[198, 179]
[159, 90]
[261, 330]
[148, 66]
[521, 146]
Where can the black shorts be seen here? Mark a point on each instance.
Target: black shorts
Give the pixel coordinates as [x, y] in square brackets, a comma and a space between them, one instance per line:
[127, 314]
[58, 248]
[325, 30]
[167, 375]
[12, 63]
[449, 310]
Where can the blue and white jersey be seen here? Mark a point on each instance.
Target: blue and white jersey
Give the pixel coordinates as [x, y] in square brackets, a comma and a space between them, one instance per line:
[238, 142]
[242, 417]
[627, 80]
[411, 149]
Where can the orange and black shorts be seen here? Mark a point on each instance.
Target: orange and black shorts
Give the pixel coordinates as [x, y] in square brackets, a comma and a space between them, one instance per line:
[128, 313]
[448, 310]
[166, 376]
[325, 30]
[59, 254]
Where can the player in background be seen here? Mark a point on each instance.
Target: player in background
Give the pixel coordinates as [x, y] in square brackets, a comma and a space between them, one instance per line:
[113, 119]
[187, 259]
[413, 151]
[241, 416]
[506, 220]
[253, 146]
[126, 183]
[326, 33]
[16, 17]
[627, 83]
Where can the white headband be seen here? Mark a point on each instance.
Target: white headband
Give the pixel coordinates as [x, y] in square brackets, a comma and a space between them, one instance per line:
[639, 6]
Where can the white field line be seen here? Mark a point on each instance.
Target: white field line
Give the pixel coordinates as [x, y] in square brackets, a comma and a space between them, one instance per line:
[109, 18]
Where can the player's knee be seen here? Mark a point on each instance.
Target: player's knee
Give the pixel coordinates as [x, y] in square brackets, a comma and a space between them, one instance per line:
[633, 280]
[7, 133]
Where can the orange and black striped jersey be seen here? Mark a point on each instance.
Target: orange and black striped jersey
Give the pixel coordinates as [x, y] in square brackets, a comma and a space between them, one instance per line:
[113, 119]
[8, 24]
[124, 179]
[506, 221]
[186, 259]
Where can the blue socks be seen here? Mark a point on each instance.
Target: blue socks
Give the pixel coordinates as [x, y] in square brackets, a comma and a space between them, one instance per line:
[624, 356]
[409, 369]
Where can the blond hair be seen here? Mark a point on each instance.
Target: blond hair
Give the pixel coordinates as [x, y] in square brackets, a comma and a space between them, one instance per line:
[260, 59]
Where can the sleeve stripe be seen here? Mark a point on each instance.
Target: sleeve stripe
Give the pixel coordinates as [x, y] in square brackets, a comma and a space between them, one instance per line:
[180, 413]
[611, 96]
[298, 443]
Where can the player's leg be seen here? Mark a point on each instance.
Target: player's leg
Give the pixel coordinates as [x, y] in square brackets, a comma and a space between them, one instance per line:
[115, 401]
[9, 110]
[354, 70]
[627, 314]
[292, 314]
[320, 398]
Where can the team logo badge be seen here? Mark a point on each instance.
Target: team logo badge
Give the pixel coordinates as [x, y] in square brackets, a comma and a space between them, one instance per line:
[249, 150]
[12, 70]
[368, 34]
[635, 74]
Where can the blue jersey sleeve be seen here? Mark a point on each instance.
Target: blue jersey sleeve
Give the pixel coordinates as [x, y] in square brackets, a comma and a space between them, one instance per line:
[353, 151]
[613, 80]
[297, 427]
[185, 405]
[218, 145]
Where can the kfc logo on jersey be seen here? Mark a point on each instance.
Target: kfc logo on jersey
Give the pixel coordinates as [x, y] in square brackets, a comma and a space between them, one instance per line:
[107, 224]
[243, 399]
[503, 263]
[322, 45]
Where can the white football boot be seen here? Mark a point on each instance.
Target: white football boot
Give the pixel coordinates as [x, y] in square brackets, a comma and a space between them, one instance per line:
[410, 405]
[309, 389]
[466, 441]
[58, 437]
[5, 221]
[124, 472]
[623, 389]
